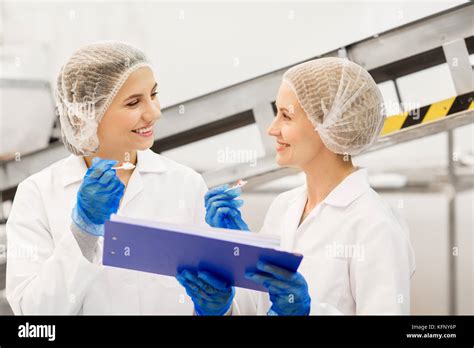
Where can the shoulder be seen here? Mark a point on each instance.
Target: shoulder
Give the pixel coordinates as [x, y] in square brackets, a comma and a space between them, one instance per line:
[290, 195]
[284, 199]
[372, 214]
[376, 207]
[382, 229]
[45, 177]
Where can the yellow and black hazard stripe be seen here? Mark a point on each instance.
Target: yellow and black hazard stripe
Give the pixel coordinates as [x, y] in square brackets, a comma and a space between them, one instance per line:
[428, 113]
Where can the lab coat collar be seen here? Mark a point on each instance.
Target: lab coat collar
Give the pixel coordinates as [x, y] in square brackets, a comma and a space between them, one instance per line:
[292, 217]
[343, 194]
[349, 189]
[75, 167]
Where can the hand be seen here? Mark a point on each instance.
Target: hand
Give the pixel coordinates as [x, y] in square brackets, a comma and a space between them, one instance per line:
[222, 208]
[288, 290]
[210, 295]
[98, 197]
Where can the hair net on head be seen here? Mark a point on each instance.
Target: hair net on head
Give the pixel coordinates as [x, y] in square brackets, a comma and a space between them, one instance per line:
[86, 86]
[341, 100]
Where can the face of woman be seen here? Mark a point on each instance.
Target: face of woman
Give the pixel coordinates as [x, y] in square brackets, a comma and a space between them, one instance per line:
[297, 141]
[128, 122]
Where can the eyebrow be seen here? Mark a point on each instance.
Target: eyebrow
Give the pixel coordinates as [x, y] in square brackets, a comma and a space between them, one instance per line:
[139, 95]
[285, 109]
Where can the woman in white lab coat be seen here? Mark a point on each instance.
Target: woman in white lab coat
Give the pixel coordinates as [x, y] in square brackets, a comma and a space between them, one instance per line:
[357, 255]
[107, 103]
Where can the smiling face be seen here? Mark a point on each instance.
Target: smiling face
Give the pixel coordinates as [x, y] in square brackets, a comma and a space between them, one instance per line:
[297, 143]
[128, 123]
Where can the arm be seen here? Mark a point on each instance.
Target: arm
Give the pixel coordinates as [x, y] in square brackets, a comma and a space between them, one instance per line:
[209, 294]
[380, 281]
[43, 276]
[86, 242]
[98, 197]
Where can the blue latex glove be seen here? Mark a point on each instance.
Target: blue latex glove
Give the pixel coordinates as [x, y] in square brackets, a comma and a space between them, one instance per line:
[288, 290]
[222, 208]
[98, 197]
[210, 295]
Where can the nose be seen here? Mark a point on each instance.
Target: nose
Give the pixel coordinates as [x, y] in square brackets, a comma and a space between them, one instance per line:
[274, 129]
[153, 111]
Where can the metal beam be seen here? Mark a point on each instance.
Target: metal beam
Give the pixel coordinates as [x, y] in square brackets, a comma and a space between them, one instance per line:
[423, 35]
[457, 57]
[267, 169]
[419, 180]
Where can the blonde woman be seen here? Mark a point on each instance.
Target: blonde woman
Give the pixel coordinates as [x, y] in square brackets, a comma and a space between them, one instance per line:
[357, 254]
[106, 96]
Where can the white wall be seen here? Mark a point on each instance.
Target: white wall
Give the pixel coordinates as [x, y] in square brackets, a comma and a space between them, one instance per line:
[195, 45]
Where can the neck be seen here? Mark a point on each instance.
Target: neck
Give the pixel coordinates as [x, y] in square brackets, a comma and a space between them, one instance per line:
[120, 156]
[323, 174]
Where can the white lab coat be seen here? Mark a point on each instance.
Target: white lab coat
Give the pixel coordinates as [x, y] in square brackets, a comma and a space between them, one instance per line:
[46, 272]
[357, 254]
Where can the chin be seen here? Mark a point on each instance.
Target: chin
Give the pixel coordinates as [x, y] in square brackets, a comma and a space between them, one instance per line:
[287, 162]
[144, 147]
[282, 162]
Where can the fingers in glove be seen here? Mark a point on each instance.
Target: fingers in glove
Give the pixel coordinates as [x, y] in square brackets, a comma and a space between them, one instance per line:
[267, 280]
[215, 191]
[235, 204]
[225, 196]
[191, 289]
[212, 212]
[236, 219]
[99, 167]
[220, 217]
[276, 271]
[213, 280]
[200, 283]
[107, 177]
[230, 224]
[115, 190]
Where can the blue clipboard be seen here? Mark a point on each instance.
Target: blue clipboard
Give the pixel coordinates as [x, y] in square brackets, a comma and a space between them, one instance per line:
[166, 252]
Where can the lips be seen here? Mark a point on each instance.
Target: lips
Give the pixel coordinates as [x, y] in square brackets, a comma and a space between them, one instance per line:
[281, 146]
[143, 130]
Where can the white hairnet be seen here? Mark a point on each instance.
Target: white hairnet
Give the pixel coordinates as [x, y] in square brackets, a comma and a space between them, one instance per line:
[341, 100]
[86, 86]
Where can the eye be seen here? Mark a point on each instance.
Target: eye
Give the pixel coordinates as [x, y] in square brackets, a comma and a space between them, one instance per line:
[153, 95]
[285, 116]
[133, 103]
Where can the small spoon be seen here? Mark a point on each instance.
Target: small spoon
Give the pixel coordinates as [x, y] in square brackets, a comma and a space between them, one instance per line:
[125, 166]
[239, 183]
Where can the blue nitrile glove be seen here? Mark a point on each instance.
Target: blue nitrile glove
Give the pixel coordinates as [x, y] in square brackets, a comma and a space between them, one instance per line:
[288, 290]
[210, 295]
[222, 208]
[98, 197]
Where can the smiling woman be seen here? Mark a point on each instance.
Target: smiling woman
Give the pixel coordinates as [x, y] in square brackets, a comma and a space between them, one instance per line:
[106, 97]
[127, 125]
[87, 87]
[328, 110]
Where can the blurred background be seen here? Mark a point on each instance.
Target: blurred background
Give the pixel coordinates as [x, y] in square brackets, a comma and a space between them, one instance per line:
[219, 65]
